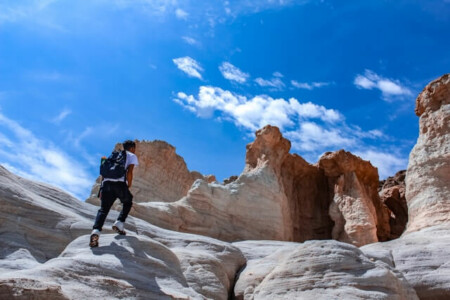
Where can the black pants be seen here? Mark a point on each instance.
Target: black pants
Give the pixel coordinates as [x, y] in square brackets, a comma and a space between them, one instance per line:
[110, 192]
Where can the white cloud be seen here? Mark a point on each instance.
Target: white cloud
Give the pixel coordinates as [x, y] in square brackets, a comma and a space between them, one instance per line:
[390, 88]
[61, 116]
[189, 65]
[189, 40]
[388, 163]
[310, 110]
[309, 86]
[278, 74]
[254, 113]
[275, 83]
[233, 73]
[40, 160]
[181, 14]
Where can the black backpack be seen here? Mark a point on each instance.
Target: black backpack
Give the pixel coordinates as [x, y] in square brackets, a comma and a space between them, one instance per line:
[114, 166]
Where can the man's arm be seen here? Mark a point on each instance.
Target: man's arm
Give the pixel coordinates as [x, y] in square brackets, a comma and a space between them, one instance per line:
[130, 175]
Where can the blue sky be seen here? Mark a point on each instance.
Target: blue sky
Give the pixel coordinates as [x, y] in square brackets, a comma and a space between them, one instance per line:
[78, 76]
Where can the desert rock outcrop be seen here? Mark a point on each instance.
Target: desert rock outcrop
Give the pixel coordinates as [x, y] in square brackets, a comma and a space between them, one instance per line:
[280, 196]
[428, 173]
[150, 262]
[359, 216]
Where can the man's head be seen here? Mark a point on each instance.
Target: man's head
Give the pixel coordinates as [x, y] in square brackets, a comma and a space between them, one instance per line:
[129, 145]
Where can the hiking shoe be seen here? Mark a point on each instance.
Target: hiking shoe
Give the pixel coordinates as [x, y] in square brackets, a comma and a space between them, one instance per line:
[94, 238]
[119, 227]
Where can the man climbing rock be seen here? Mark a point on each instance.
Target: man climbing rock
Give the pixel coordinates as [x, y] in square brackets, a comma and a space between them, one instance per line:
[117, 173]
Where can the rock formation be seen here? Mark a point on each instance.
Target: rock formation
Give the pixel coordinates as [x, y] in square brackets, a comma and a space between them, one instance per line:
[428, 173]
[162, 175]
[44, 255]
[360, 217]
[280, 196]
[280, 270]
[392, 194]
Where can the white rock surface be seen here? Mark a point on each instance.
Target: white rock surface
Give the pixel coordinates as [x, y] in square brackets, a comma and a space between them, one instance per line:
[423, 257]
[316, 270]
[45, 253]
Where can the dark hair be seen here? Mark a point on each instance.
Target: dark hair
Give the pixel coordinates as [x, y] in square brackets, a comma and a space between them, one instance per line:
[128, 144]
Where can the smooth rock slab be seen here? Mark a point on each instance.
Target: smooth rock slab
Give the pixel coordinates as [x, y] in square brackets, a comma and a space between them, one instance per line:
[423, 257]
[43, 256]
[124, 267]
[132, 267]
[316, 270]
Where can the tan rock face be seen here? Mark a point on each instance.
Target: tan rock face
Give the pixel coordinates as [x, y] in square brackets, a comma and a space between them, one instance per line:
[280, 196]
[306, 189]
[428, 173]
[269, 148]
[162, 175]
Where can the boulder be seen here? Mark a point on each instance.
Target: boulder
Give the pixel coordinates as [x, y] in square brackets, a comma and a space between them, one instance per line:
[422, 257]
[316, 270]
[428, 173]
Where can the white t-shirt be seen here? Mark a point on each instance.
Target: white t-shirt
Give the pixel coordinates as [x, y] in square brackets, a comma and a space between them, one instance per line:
[131, 160]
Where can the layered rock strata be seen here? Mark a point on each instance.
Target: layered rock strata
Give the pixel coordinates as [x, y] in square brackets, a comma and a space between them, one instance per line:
[428, 173]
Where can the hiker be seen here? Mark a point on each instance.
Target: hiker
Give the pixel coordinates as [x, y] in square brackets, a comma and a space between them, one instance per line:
[116, 183]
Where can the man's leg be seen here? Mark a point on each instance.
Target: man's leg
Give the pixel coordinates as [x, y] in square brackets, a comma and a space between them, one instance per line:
[127, 202]
[107, 200]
